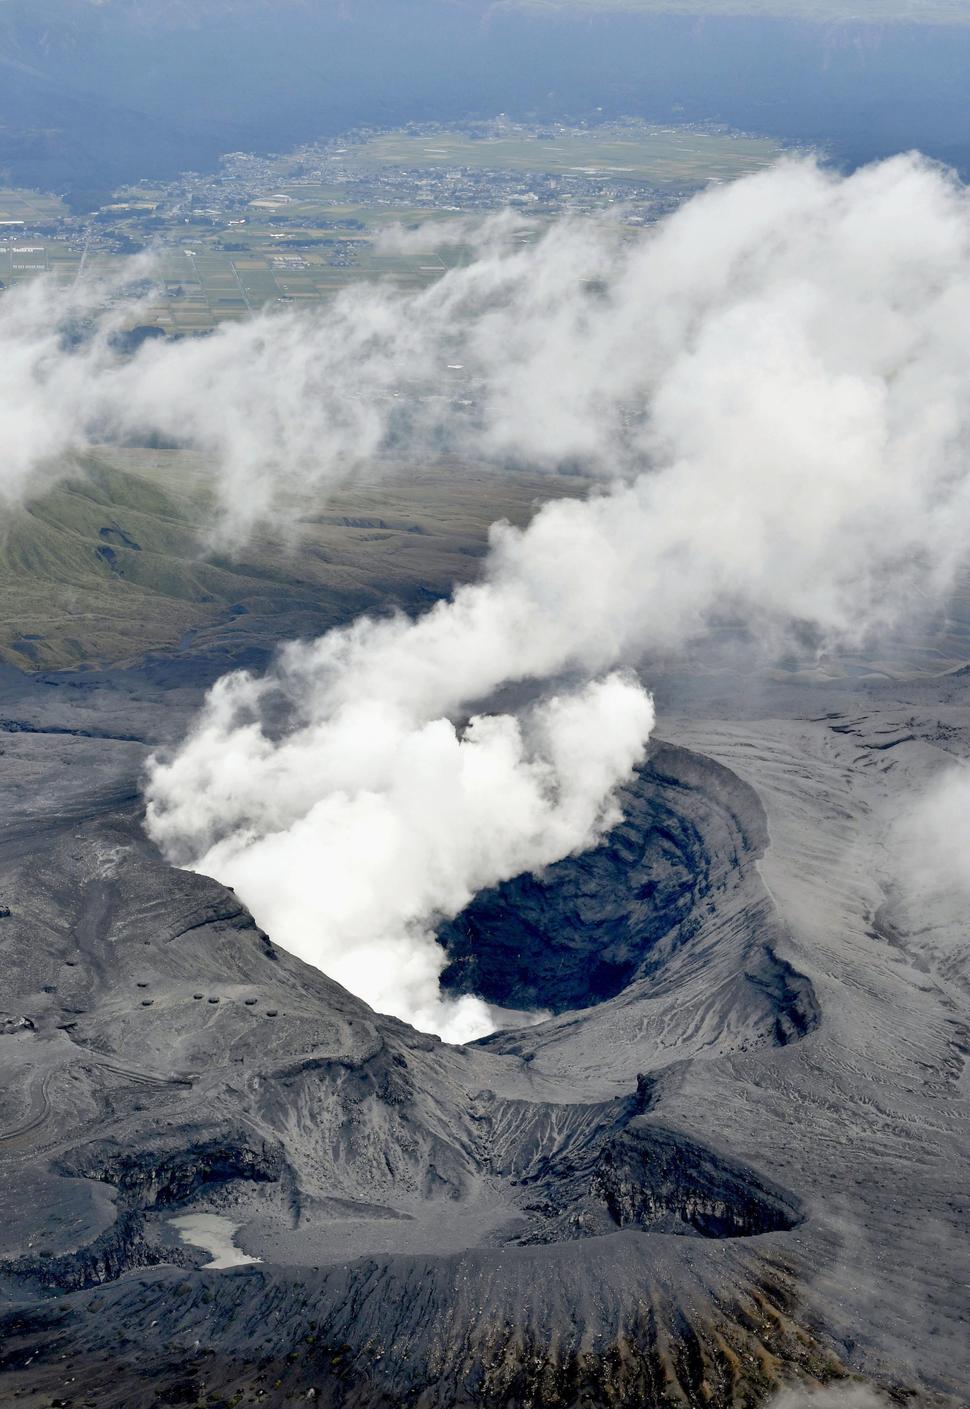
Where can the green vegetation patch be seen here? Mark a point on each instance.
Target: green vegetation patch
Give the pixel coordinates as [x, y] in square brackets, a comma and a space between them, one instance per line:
[115, 561]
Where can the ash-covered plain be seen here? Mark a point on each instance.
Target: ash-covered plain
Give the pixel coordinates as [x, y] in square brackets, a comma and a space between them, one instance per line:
[715, 1169]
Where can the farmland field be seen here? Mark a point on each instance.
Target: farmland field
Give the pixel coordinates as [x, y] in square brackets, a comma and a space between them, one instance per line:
[30, 206]
[660, 155]
[297, 228]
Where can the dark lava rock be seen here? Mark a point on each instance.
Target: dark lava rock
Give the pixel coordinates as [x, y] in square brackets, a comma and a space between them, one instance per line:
[659, 1179]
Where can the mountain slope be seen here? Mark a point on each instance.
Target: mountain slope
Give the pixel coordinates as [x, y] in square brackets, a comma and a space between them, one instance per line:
[643, 1201]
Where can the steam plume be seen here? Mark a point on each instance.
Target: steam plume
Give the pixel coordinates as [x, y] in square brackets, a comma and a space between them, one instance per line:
[779, 379]
[372, 816]
[929, 874]
[775, 388]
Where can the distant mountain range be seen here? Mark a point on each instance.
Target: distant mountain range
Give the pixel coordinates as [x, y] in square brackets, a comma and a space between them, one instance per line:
[191, 14]
[95, 92]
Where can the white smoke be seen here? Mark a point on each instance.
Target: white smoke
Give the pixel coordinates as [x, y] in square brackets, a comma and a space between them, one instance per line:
[474, 232]
[930, 840]
[372, 817]
[775, 387]
[270, 399]
[55, 348]
[928, 875]
[793, 335]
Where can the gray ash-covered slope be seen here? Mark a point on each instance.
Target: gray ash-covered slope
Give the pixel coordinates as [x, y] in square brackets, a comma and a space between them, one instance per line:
[591, 926]
[721, 1177]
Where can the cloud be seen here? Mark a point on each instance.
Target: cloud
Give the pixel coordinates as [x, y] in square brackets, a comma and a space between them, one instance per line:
[55, 348]
[791, 343]
[930, 839]
[272, 400]
[357, 828]
[474, 232]
[774, 388]
[928, 874]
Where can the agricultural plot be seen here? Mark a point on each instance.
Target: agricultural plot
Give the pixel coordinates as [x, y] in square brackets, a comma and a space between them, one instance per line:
[206, 285]
[297, 229]
[31, 207]
[660, 155]
[23, 253]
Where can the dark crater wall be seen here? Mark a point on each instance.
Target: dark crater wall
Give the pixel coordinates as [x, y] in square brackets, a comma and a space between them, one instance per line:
[440, 1225]
[660, 1180]
[584, 1171]
[167, 1175]
[585, 930]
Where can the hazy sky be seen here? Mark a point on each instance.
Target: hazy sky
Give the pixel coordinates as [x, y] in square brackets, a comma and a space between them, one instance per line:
[825, 11]
[94, 95]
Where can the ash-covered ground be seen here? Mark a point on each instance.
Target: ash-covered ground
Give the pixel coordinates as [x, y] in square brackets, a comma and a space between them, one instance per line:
[733, 1158]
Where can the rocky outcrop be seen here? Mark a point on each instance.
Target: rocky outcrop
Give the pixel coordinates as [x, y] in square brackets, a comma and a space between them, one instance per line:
[121, 1249]
[439, 1225]
[164, 1176]
[146, 1179]
[661, 1180]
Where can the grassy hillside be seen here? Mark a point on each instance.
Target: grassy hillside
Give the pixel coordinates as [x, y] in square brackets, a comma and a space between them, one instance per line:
[115, 562]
